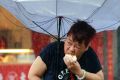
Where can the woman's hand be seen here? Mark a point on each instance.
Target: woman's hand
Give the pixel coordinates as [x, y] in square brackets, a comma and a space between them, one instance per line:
[72, 64]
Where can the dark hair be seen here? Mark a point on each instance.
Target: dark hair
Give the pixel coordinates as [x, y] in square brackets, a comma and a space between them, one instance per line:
[82, 31]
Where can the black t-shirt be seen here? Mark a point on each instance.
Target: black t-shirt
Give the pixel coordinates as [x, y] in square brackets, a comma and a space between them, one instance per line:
[53, 55]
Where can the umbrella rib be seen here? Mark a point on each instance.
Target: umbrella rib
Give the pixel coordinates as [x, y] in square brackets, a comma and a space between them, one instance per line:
[42, 24]
[39, 22]
[19, 4]
[46, 23]
[63, 28]
[46, 20]
[109, 25]
[30, 13]
[68, 21]
[56, 7]
[51, 24]
[58, 26]
[96, 10]
[44, 30]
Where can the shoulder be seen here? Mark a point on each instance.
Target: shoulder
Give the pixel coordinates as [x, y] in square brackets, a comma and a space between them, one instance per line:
[89, 59]
[55, 44]
[90, 56]
[90, 52]
[51, 47]
[48, 54]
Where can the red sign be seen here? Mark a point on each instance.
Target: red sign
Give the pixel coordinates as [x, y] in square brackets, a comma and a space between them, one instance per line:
[14, 71]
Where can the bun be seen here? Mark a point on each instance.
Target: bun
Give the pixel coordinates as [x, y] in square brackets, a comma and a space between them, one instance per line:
[72, 58]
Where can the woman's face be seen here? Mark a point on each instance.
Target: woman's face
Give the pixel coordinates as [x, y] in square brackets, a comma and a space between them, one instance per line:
[73, 47]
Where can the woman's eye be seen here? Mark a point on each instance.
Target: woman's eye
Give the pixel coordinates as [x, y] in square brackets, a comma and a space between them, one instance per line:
[78, 47]
[69, 43]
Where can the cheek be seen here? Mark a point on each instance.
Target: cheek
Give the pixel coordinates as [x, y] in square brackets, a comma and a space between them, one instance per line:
[79, 52]
[66, 49]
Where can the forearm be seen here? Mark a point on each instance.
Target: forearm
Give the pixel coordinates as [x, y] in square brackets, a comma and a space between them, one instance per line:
[92, 76]
[34, 78]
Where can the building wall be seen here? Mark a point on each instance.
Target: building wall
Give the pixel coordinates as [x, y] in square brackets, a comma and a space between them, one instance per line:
[118, 49]
[105, 44]
[17, 38]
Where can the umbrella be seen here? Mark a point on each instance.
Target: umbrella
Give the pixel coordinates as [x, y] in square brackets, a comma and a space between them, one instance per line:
[55, 17]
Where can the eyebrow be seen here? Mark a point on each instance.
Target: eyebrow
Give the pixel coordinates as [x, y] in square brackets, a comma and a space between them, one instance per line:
[70, 39]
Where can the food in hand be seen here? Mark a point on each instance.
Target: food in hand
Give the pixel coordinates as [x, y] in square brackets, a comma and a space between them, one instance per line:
[71, 58]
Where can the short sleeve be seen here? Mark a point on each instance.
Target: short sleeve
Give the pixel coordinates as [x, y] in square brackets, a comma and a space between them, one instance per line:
[44, 54]
[91, 62]
[47, 54]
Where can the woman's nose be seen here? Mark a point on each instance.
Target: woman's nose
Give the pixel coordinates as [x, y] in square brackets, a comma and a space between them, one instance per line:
[72, 49]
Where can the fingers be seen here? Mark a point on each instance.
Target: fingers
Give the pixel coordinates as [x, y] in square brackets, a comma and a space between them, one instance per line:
[70, 58]
[70, 61]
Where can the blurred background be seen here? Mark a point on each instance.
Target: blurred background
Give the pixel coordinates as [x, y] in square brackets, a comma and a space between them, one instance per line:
[19, 47]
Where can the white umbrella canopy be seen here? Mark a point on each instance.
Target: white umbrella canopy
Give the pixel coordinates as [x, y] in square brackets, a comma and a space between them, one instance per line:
[56, 16]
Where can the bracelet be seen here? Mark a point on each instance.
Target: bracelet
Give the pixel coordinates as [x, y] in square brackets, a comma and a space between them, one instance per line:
[84, 74]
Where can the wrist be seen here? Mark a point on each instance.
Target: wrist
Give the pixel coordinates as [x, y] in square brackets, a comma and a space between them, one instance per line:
[83, 75]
